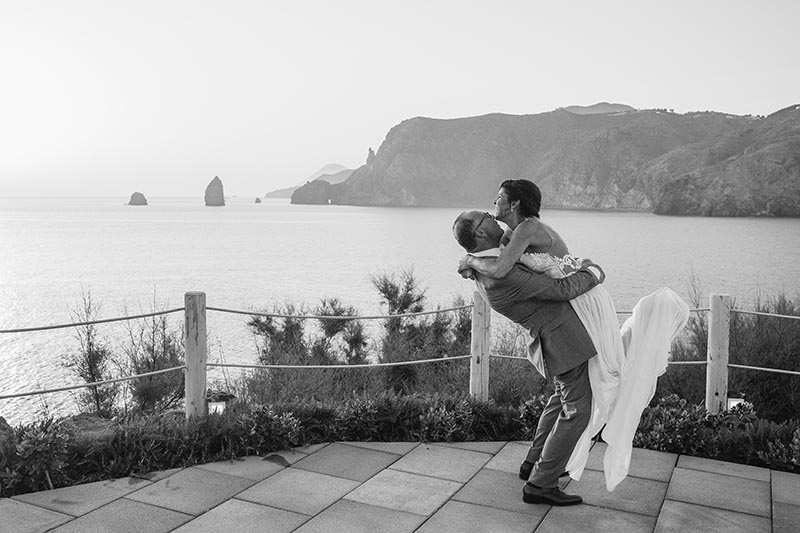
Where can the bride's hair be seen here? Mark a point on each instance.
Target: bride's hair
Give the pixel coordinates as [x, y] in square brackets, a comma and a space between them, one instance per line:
[527, 193]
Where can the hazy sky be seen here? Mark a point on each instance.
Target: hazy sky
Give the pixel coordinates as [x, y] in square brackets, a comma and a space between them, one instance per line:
[109, 97]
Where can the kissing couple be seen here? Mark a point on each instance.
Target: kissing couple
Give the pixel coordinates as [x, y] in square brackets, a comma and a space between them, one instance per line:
[604, 376]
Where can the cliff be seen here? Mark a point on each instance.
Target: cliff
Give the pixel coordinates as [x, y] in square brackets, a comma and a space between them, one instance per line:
[702, 163]
[215, 195]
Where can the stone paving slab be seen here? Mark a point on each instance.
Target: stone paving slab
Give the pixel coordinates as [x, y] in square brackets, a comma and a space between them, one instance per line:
[722, 467]
[509, 457]
[349, 462]
[355, 517]
[397, 448]
[646, 464]
[491, 447]
[445, 463]
[591, 519]
[254, 468]
[21, 517]
[158, 475]
[633, 494]
[311, 448]
[81, 499]
[402, 491]
[680, 517]
[299, 491]
[723, 492]
[191, 491]
[244, 517]
[461, 517]
[786, 487]
[501, 490]
[126, 515]
[785, 517]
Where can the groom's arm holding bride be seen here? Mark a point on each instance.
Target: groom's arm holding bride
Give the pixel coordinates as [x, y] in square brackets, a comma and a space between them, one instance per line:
[522, 283]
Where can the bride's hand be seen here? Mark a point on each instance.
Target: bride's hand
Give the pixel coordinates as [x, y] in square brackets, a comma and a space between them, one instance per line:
[465, 263]
[467, 273]
[465, 268]
[589, 263]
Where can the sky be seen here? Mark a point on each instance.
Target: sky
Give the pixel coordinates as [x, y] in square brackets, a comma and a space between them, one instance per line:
[104, 98]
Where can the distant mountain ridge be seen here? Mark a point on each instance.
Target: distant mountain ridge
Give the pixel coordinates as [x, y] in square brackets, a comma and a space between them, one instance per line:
[332, 173]
[703, 163]
[599, 108]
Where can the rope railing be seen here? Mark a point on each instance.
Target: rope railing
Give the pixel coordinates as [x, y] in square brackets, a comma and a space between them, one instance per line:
[759, 313]
[338, 317]
[762, 369]
[518, 358]
[695, 310]
[91, 322]
[324, 367]
[94, 384]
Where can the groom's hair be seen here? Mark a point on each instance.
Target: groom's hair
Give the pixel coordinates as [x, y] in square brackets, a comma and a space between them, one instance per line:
[464, 232]
[528, 195]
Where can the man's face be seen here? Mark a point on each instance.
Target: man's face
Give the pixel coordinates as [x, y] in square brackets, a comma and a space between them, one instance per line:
[485, 226]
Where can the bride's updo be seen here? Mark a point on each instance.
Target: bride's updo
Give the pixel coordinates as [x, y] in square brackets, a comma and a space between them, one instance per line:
[527, 193]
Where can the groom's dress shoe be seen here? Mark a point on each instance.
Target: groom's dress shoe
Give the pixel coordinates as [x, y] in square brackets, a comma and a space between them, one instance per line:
[526, 468]
[549, 495]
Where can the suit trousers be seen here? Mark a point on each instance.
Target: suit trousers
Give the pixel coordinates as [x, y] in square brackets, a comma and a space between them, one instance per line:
[562, 423]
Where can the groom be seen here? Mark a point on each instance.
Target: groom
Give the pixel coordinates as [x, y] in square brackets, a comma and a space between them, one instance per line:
[540, 304]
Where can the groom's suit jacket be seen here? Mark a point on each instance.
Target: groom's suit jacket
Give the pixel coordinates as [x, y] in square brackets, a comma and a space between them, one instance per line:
[540, 304]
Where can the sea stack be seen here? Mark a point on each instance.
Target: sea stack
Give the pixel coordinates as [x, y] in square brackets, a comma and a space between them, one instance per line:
[137, 198]
[214, 194]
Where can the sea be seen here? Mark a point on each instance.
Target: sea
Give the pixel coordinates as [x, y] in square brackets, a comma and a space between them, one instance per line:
[56, 252]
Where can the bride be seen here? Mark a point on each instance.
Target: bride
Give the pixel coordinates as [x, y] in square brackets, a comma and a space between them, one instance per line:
[629, 360]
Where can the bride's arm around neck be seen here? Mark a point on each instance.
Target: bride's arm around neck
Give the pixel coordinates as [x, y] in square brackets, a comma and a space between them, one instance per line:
[528, 235]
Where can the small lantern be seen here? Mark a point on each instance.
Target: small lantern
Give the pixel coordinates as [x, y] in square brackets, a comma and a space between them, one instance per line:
[218, 401]
[734, 399]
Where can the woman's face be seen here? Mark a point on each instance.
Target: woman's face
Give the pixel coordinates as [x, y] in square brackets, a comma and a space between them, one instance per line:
[502, 207]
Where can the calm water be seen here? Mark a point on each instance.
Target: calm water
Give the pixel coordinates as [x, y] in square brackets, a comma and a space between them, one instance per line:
[253, 256]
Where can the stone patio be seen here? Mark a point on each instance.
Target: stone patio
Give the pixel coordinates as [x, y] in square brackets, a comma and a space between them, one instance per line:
[425, 487]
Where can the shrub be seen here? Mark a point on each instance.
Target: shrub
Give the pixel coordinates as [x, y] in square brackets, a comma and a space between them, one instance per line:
[41, 454]
[768, 342]
[91, 364]
[755, 340]
[154, 346]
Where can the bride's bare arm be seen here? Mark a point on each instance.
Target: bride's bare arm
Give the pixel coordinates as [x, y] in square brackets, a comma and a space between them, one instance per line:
[528, 234]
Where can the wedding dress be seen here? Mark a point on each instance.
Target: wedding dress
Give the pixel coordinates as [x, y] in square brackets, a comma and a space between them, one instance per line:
[629, 360]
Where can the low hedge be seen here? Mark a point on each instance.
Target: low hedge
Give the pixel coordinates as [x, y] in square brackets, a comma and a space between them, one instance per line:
[56, 453]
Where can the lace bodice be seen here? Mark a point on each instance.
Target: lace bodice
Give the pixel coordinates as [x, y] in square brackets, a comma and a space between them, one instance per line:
[555, 267]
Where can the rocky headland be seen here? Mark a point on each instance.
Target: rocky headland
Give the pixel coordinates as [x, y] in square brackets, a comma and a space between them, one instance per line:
[607, 156]
[332, 173]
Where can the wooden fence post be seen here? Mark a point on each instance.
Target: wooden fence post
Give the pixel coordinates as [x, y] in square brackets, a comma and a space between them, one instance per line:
[719, 323]
[196, 354]
[479, 363]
